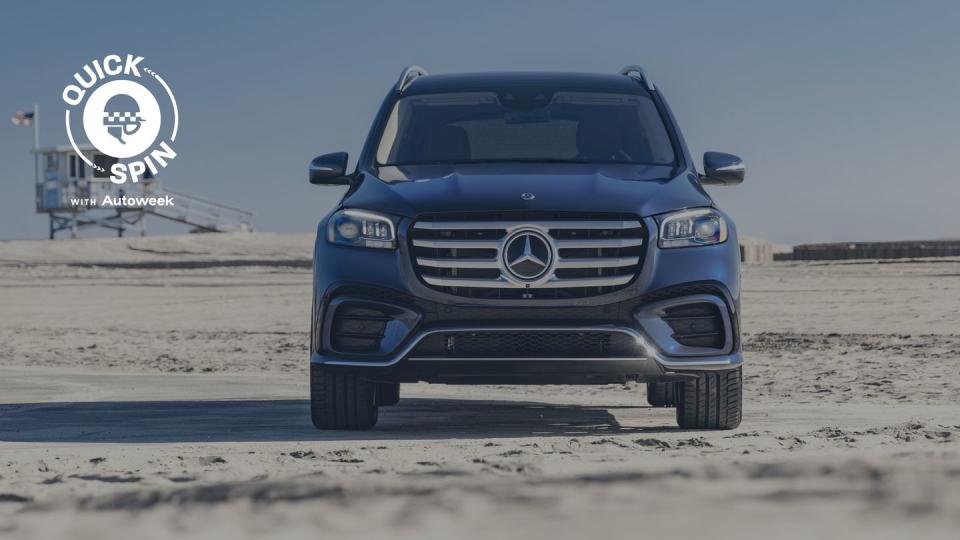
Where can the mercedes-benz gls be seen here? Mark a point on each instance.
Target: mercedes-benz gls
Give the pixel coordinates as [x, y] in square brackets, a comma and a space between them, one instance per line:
[543, 228]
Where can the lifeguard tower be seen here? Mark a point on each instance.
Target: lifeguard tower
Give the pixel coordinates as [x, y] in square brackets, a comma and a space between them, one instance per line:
[71, 192]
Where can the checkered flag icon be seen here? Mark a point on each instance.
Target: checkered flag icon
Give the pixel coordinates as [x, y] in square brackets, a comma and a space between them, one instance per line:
[122, 116]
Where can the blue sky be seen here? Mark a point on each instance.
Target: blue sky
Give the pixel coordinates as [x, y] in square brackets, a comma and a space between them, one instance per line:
[848, 116]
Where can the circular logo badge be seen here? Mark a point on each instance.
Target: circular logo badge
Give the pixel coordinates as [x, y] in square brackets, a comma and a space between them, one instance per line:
[127, 112]
[122, 119]
[528, 255]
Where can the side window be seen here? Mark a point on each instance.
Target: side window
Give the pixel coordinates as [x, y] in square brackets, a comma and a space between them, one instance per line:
[73, 166]
[82, 166]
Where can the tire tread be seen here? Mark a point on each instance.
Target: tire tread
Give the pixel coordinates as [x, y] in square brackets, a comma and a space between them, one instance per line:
[714, 400]
[388, 394]
[662, 394]
[341, 400]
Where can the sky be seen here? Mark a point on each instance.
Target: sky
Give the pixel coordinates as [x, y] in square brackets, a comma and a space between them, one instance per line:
[847, 115]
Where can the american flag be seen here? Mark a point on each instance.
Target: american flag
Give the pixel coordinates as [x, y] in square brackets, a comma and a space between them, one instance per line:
[22, 118]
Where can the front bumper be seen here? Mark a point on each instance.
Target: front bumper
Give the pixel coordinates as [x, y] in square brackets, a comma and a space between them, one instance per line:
[385, 278]
[651, 365]
[412, 322]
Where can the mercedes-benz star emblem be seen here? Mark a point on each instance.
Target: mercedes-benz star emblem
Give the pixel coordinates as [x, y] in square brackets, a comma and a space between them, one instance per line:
[528, 255]
[528, 196]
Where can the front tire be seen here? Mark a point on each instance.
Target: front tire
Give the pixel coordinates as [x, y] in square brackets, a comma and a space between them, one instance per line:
[714, 400]
[662, 394]
[341, 400]
[388, 394]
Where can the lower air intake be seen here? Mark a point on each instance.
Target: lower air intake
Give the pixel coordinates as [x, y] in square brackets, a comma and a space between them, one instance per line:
[526, 344]
[358, 329]
[696, 325]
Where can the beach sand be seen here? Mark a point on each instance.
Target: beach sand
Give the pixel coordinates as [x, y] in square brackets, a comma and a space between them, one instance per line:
[157, 388]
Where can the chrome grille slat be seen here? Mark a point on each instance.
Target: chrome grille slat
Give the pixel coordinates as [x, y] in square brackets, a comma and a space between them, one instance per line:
[501, 283]
[610, 281]
[509, 225]
[592, 254]
[458, 263]
[598, 262]
[458, 244]
[599, 243]
[498, 283]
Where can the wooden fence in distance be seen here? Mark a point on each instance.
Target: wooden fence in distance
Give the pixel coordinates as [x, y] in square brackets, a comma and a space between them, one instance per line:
[873, 250]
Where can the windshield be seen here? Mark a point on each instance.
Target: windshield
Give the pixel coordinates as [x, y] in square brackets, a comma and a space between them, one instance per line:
[525, 125]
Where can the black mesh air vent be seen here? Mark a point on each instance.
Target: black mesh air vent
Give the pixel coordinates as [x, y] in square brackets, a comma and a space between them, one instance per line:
[358, 329]
[526, 344]
[696, 325]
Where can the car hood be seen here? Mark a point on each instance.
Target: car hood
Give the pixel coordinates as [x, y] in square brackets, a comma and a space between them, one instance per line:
[637, 189]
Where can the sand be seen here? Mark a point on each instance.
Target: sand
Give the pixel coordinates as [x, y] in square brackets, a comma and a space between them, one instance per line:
[156, 388]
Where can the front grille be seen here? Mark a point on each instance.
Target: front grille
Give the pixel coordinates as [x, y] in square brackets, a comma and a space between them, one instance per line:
[696, 325]
[589, 254]
[358, 329]
[528, 344]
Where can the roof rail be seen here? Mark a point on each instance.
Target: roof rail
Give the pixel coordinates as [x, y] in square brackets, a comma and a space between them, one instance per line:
[636, 73]
[408, 75]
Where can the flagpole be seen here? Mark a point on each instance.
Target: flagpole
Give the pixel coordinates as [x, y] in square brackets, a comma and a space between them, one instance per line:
[36, 142]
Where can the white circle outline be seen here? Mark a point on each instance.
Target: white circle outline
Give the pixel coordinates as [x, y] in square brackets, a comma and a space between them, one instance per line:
[173, 136]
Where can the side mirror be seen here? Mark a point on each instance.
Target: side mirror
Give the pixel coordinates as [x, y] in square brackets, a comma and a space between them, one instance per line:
[329, 170]
[721, 169]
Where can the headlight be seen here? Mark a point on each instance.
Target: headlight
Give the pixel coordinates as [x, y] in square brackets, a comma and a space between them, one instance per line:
[361, 228]
[696, 227]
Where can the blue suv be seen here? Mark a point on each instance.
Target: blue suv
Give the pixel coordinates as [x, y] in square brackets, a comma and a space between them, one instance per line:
[526, 228]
